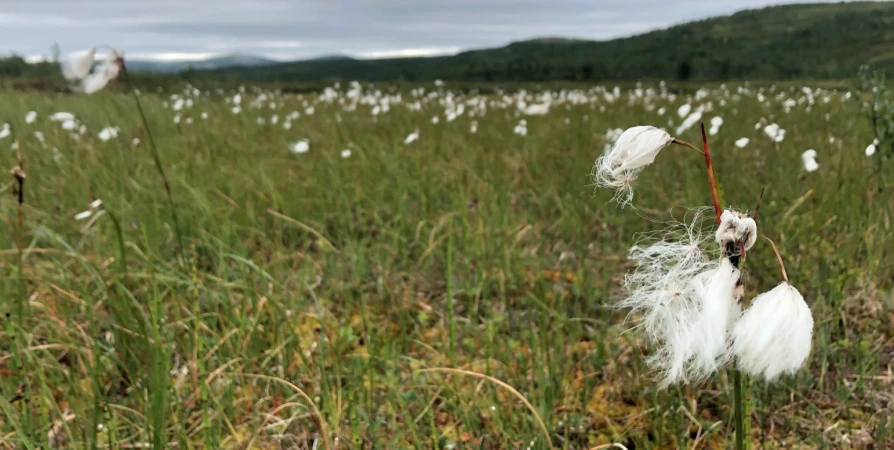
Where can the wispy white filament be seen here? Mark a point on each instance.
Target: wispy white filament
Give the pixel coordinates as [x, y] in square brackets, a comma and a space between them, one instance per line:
[635, 149]
[685, 300]
[774, 335]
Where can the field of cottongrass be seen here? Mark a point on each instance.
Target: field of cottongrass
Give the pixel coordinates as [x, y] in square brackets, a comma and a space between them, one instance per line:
[331, 282]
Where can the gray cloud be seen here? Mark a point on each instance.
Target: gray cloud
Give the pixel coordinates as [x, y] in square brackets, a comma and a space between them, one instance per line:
[292, 29]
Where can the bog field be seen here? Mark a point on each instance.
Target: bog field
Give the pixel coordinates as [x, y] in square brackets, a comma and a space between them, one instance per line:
[364, 267]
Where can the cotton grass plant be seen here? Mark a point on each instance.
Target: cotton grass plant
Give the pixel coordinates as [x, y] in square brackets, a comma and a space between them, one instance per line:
[685, 292]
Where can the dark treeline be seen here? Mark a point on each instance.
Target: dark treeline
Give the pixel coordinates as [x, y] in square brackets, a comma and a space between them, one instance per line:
[789, 42]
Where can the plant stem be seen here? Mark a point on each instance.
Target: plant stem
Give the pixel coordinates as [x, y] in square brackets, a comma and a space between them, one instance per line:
[741, 400]
[156, 158]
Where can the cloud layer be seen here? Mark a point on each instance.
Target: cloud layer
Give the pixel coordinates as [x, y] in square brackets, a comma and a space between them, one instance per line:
[295, 29]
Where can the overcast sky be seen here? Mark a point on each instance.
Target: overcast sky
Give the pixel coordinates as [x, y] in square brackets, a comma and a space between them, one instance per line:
[296, 29]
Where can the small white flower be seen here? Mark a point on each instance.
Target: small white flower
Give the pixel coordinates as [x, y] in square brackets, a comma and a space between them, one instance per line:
[774, 335]
[473, 128]
[302, 146]
[684, 110]
[177, 118]
[83, 215]
[135, 142]
[870, 150]
[108, 133]
[435, 119]
[661, 111]
[95, 204]
[31, 117]
[69, 125]
[346, 153]
[809, 158]
[237, 109]
[5, 131]
[742, 142]
[204, 115]
[61, 116]
[412, 137]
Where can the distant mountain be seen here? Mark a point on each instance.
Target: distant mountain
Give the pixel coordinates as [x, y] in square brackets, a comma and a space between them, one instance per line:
[802, 41]
[226, 61]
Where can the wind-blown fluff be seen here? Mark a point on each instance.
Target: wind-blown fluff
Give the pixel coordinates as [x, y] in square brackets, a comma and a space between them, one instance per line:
[103, 74]
[686, 300]
[774, 335]
[719, 309]
[635, 149]
[77, 65]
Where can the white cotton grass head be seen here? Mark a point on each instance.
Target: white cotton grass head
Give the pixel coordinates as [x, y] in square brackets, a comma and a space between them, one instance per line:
[674, 279]
[871, 148]
[635, 149]
[742, 142]
[103, 74]
[77, 65]
[736, 229]
[774, 335]
[809, 159]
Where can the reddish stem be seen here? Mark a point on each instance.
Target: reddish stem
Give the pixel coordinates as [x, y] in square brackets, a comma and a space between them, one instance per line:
[712, 181]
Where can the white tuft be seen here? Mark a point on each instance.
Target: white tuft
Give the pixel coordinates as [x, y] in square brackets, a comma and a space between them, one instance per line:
[734, 227]
[77, 65]
[635, 149]
[681, 293]
[742, 142]
[774, 335]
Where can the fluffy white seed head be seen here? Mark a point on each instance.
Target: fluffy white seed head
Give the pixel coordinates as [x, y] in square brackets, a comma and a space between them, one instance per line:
[77, 65]
[774, 335]
[635, 149]
[683, 297]
[103, 74]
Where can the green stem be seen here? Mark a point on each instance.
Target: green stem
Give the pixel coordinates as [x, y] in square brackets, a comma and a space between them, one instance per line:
[741, 400]
[156, 158]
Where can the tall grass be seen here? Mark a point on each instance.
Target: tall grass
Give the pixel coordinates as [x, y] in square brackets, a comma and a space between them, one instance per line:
[317, 298]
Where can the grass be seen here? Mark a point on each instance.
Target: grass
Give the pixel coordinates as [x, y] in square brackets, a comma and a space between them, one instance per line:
[451, 293]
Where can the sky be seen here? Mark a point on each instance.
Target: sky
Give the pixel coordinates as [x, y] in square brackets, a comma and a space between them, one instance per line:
[300, 29]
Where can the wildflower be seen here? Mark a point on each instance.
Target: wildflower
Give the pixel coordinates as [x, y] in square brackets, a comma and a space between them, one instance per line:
[870, 150]
[716, 122]
[412, 137]
[237, 109]
[108, 133]
[522, 128]
[684, 110]
[774, 335]
[536, 109]
[346, 153]
[31, 117]
[742, 142]
[302, 146]
[473, 128]
[636, 148]
[689, 121]
[93, 207]
[435, 120]
[774, 132]
[69, 125]
[204, 115]
[5, 131]
[135, 142]
[661, 111]
[61, 116]
[809, 158]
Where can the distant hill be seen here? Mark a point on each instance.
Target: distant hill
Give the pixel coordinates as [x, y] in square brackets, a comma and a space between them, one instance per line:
[804, 41]
[226, 61]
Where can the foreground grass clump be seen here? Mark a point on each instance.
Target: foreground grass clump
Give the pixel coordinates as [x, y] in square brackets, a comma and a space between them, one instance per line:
[317, 300]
